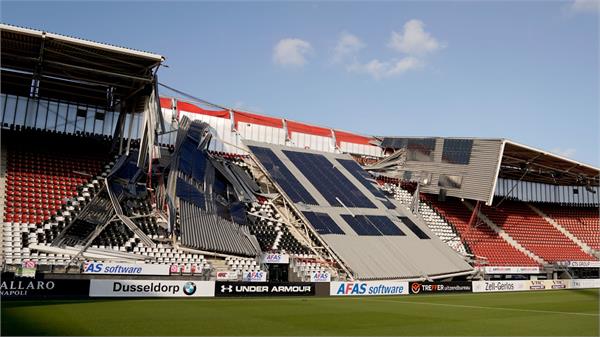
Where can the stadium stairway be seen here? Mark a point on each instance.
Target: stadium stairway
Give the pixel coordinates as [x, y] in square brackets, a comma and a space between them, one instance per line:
[563, 230]
[503, 234]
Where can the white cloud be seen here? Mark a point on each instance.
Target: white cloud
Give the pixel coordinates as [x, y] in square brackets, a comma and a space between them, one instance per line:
[346, 46]
[414, 40]
[291, 52]
[591, 6]
[568, 152]
[382, 69]
[413, 43]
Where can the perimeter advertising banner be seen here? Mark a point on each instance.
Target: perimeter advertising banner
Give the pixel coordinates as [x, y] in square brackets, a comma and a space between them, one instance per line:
[440, 287]
[227, 276]
[320, 276]
[511, 270]
[583, 264]
[230, 289]
[585, 283]
[275, 258]
[527, 285]
[125, 268]
[368, 288]
[151, 288]
[12, 287]
[254, 276]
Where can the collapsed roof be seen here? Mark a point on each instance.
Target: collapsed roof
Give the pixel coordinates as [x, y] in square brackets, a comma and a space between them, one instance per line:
[41, 64]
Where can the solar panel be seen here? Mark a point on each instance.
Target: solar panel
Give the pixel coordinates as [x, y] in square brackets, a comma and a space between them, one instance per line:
[385, 225]
[322, 223]
[363, 177]
[372, 225]
[192, 161]
[328, 180]
[413, 227]
[361, 225]
[278, 171]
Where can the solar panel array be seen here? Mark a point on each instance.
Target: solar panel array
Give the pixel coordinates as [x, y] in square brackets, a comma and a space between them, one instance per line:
[337, 190]
[413, 227]
[374, 225]
[282, 175]
[323, 223]
[328, 180]
[363, 177]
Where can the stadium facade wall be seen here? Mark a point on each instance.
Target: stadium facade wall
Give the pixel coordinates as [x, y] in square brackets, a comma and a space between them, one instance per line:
[538, 192]
[231, 126]
[477, 176]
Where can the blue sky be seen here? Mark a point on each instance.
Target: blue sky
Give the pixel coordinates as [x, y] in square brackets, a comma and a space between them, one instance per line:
[524, 71]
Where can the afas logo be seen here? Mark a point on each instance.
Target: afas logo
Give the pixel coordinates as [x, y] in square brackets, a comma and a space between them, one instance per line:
[350, 288]
[274, 258]
[91, 267]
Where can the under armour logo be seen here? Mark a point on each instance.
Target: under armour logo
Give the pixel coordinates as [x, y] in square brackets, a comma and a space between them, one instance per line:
[228, 288]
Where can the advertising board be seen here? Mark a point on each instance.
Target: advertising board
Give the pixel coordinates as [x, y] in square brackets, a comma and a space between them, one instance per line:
[439, 287]
[125, 268]
[227, 276]
[511, 270]
[368, 288]
[12, 287]
[495, 286]
[585, 283]
[320, 276]
[275, 258]
[228, 289]
[254, 276]
[151, 288]
[525, 285]
[583, 264]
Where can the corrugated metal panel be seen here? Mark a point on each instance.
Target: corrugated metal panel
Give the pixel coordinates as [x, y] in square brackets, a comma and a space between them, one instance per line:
[261, 133]
[477, 176]
[313, 142]
[367, 150]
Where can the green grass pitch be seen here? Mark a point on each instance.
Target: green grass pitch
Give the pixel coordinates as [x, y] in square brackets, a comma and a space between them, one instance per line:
[548, 313]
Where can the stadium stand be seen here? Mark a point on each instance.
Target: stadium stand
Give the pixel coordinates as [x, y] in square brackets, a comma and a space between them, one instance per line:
[580, 221]
[304, 265]
[482, 240]
[438, 225]
[534, 232]
[114, 172]
[44, 169]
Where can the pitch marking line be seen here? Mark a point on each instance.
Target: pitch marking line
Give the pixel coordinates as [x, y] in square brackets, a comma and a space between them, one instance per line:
[483, 307]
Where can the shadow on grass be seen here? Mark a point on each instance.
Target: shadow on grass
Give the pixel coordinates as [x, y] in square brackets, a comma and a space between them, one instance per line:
[17, 325]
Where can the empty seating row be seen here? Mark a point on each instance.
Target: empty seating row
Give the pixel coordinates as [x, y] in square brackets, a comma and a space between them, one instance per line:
[434, 221]
[481, 239]
[583, 222]
[534, 233]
